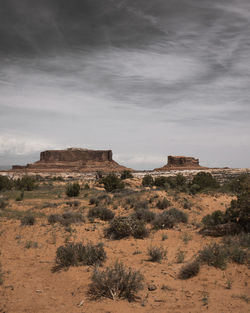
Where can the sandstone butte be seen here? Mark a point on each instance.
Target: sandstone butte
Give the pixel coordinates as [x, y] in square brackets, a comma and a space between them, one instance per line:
[181, 163]
[73, 160]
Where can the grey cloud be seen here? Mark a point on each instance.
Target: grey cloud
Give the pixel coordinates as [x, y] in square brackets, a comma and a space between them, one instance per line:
[170, 77]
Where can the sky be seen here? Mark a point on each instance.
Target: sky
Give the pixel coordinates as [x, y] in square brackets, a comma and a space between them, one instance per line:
[145, 78]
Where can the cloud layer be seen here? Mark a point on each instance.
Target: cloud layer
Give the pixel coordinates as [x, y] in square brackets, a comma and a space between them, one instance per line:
[146, 80]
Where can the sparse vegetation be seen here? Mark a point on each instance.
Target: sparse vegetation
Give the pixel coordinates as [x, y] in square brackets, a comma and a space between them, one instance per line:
[180, 256]
[156, 254]
[163, 204]
[66, 219]
[116, 282]
[77, 254]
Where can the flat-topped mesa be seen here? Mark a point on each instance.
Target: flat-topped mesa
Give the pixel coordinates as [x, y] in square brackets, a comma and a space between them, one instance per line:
[73, 160]
[180, 163]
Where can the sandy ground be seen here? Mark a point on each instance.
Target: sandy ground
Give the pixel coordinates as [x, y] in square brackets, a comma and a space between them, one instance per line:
[30, 286]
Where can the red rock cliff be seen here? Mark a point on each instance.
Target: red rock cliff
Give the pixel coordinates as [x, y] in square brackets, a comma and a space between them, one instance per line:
[75, 160]
[179, 163]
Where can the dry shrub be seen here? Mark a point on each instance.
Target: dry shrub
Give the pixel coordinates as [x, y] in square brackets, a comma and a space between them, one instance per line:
[116, 282]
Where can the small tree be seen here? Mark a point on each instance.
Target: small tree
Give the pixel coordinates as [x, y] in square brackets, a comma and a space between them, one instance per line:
[73, 190]
[147, 181]
[126, 174]
[205, 180]
[112, 182]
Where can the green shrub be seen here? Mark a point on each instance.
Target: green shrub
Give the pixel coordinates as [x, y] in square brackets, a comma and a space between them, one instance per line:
[194, 188]
[126, 174]
[147, 181]
[77, 254]
[205, 181]
[143, 215]
[214, 255]
[73, 190]
[189, 270]
[28, 220]
[26, 183]
[240, 184]
[101, 213]
[6, 183]
[112, 182]
[160, 181]
[20, 197]
[156, 254]
[121, 227]
[163, 204]
[216, 218]
[116, 282]
[239, 211]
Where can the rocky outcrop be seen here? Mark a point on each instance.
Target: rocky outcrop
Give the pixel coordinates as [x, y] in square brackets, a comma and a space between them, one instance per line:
[180, 163]
[73, 160]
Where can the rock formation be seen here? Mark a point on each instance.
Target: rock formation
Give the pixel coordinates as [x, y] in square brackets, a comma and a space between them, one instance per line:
[73, 160]
[180, 163]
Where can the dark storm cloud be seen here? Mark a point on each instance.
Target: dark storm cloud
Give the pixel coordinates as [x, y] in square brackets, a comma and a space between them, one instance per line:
[141, 76]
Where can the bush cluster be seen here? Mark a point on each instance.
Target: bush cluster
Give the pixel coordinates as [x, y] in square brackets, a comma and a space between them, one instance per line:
[25, 183]
[218, 255]
[238, 213]
[203, 181]
[116, 282]
[76, 254]
[101, 213]
[121, 227]
[169, 218]
[66, 219]
[143, 215]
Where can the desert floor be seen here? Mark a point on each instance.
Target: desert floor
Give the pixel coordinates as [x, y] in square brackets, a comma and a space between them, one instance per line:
[27, 255]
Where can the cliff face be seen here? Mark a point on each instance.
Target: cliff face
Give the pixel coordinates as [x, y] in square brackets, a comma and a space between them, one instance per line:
[180, 163]
[73, 160]
[74, 155]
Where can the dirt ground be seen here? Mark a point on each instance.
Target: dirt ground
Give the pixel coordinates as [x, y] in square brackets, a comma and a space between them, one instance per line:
[28, 255]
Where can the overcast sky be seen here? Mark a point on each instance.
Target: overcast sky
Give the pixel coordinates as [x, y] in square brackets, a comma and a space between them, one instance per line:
[145, 78]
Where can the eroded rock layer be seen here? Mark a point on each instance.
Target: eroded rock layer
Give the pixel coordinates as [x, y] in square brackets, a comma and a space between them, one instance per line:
[73, 160]
[179, 163]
